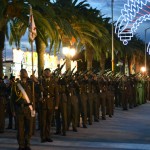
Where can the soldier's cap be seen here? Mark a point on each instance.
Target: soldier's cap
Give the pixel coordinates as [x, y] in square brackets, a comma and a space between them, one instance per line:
[47, 69]
[23, 70]
[12, 77]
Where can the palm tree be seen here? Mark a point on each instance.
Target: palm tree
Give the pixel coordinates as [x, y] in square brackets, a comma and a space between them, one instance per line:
[133, 53]
[17, 13]
[44, 16]
[83, 29]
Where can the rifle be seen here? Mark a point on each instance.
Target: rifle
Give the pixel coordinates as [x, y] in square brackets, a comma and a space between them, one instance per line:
[71, 72]
[57, 71]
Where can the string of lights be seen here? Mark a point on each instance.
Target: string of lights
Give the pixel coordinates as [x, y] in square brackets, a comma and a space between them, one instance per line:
[135, 12]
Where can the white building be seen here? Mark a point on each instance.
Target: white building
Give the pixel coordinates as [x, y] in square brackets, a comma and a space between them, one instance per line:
[23, 59]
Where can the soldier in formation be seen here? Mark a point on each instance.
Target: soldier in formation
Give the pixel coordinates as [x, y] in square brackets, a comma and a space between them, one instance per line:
[48, 103]
[70, 100]
[2, 105]
[22, 107]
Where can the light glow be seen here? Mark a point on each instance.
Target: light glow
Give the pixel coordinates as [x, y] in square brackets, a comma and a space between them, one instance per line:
[72, 52]
[131, 17]
[143, 69]
[65, 50]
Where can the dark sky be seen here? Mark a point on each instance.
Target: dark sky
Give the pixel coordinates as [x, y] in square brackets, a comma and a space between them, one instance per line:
[105, 7]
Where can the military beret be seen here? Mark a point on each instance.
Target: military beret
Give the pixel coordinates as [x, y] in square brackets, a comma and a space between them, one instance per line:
[47, 69]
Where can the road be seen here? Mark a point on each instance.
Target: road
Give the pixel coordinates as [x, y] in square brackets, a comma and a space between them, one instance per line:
[126, 130]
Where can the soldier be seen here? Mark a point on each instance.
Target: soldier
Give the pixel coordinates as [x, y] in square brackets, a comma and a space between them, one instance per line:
[48, 102]
[110, 98]
[22, 108]
[2, 105]
[139, 91]
[123, 88]
[72, 103]
[130, 92]
[90, 100]
[10, 115]
[95, 92]
[102, 96]
[61, 113]
[117, 93]
[83, 97]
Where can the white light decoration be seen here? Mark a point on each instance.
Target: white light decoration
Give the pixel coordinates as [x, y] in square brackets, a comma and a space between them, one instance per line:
[131, 17]
[72, 52]
[148, 48]
[65, 50]
[143, 69]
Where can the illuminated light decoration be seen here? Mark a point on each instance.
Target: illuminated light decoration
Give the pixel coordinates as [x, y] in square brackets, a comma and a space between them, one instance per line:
[130, 19]
[148, 48]
[139, 21]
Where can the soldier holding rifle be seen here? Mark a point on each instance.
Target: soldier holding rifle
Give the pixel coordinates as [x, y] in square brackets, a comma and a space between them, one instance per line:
[48, 102]
[22, 108]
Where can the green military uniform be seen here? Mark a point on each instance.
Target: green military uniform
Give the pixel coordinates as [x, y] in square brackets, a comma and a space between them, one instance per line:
[83, 98]
[110, 98]
[133, 91]
[2, 105]
[130, 93]
[20, 106]
[102, 97]
[10, 115]
[139, 92]
[90, 101]
[123, 89]
[117, 94]
[95, 92]
[61, 113]
[47, 104]
[72, 105]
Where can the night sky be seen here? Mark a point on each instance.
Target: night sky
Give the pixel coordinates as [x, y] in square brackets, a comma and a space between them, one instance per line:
[105, 7]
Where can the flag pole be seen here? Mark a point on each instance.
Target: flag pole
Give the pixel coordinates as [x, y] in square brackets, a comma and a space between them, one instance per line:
[32, 35]
[33, 92]
[112, 40]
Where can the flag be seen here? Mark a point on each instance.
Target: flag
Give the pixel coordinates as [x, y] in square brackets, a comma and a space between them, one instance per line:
[32, 27]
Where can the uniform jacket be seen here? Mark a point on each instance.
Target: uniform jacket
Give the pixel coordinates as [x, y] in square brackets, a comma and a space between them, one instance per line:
[50, 94]
[18, 102]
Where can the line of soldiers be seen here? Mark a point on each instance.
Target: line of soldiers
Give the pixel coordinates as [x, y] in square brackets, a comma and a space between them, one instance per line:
[65, 98]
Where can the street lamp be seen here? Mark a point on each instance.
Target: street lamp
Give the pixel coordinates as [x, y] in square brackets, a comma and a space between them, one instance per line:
[145, 47]
[143, 69]
[112, 4]
[69, 52]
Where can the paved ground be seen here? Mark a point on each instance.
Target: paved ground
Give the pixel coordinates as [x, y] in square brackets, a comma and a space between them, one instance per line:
[126, 130]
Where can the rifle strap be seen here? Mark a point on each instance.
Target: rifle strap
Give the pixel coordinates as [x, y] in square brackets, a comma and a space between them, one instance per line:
[24, 95]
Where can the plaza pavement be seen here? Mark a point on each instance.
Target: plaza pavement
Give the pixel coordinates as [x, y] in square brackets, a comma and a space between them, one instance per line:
[126, 130]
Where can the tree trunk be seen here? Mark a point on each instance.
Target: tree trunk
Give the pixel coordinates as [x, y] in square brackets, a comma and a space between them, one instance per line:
[66, 43]
[2, 41]
[1, 63]
[129, 65]
[102, 62]
[123, 67]
[89, 57]
[137, 67]
[40, 48]
[68, 63]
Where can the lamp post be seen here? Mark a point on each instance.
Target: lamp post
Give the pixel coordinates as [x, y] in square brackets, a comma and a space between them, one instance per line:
[112, 4]
[145, 48]
[69, 53]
